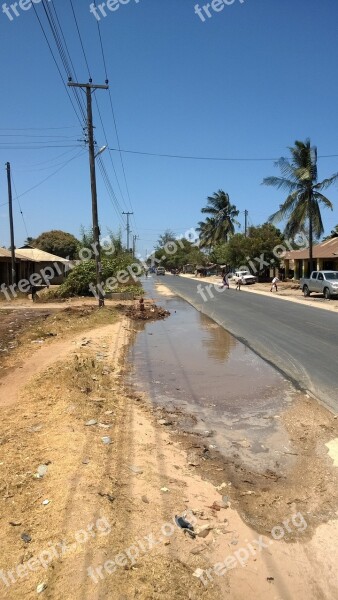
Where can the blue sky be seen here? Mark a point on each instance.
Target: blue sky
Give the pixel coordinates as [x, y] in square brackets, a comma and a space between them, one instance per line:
[246, 83]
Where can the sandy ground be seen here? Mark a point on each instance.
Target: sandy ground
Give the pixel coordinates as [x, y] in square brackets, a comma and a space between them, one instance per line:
[285, 292]
[100, 520]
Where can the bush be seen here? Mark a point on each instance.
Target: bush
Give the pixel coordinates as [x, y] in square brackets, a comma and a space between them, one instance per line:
[83, 275]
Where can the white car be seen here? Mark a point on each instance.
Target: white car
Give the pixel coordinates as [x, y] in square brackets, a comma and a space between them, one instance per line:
[245, 277]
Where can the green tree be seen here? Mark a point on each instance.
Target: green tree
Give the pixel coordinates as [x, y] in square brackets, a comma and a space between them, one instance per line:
[29, 241]
[58, 242]
[256, 250]
[220, 225]
[302, 205]
[167, 236]
[179, 252]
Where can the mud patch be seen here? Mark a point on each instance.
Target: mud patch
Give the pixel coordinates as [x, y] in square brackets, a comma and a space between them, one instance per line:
[144, 311]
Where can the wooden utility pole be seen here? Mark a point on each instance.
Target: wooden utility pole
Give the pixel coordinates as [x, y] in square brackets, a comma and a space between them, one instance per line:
[128, 227]
[134, 244]
[245, 222]
[96, 231]
[11, 226]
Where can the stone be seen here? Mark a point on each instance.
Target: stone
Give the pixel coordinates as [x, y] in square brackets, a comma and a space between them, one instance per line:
[198, 573]
[136, 470]
[204, 530]
[106, 439]
[41, 588]
[164, 422]
[91, 422]
[26, 537]
[42, 470]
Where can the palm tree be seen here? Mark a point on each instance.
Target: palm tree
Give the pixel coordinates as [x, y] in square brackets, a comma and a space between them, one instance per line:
[301, 208]
[221, 224]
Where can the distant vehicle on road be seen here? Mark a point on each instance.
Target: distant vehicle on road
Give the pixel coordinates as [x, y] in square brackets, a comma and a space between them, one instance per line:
[322, 282]
[245, 277]
[160, 271]
[175, 271]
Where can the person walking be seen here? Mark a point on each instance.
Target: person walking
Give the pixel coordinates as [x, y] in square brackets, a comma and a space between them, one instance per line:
[238, 282]
[274, 284]
[225, 280]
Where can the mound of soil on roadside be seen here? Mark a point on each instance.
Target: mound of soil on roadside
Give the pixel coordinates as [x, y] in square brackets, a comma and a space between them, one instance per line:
[144, 311]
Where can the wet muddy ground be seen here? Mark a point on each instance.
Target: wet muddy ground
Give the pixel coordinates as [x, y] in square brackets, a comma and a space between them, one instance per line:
[243, 425]
[190, 363]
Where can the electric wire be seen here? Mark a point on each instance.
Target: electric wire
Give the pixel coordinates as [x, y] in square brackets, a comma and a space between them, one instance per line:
[17, 198]
[111, 194]
[46, 178]
[80, 38]
[110, 154]
[56, 63]
[63, 50]
[35, 128]
[114, 120]
[211, 158]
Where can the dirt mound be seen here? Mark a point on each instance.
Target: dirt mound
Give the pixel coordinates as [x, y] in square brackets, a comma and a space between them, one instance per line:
[144, 311]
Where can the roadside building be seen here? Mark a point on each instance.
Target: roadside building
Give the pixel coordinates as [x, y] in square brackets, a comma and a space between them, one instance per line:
[6, 266]
[48, 266]
[325, 257]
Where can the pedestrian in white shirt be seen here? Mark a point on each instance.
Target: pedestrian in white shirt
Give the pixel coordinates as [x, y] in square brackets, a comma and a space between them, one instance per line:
[274, 284]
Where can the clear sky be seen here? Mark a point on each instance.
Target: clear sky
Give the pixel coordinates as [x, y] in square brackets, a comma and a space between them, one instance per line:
[245, 83]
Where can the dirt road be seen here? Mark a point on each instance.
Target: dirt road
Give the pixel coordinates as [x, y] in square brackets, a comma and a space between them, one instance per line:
[92, 478]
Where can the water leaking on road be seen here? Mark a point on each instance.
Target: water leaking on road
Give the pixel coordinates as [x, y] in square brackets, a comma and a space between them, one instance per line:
[189, 363]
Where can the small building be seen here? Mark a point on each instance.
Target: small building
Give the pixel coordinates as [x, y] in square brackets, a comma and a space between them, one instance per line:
[325, 257]
[6, 266]
[49, 266]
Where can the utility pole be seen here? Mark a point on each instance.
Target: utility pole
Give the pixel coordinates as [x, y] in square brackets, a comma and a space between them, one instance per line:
[128, 227]
[90, 88]
[245, 222]
[11, 226]
[135, 237]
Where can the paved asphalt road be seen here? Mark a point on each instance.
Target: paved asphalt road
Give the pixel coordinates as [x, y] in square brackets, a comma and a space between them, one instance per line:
[300, 341]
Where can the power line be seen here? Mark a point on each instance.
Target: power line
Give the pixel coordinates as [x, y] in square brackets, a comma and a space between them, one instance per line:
[17, 198]
[80, 38]
[110, 154]
[46, 178]
[63, 50]
[114, 119]
[36, 128]
[212, 158]
[55, 61]
[11, 147]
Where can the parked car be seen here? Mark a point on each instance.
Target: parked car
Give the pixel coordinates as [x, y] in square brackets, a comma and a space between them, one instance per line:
[322, 282]
[160, 271]
[245, 276]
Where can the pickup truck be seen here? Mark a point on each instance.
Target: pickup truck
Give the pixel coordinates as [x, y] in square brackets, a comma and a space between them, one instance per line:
[245, 277]
[322, 282]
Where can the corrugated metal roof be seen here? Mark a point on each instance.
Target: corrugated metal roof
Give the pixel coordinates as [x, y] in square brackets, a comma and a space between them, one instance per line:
[327, 249]
[39, 255]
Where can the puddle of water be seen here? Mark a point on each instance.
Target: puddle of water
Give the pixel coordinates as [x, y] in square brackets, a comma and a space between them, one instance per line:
[190, 363]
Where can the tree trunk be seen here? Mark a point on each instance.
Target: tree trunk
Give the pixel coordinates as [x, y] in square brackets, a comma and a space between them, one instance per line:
[310, 236]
